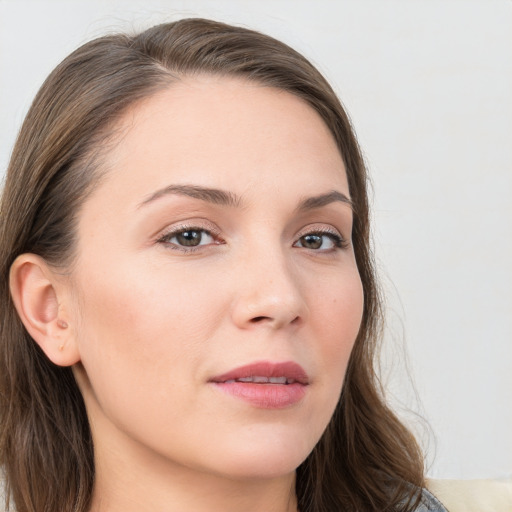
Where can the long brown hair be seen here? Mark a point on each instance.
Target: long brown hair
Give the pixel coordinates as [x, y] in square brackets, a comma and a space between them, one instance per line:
[366, 459]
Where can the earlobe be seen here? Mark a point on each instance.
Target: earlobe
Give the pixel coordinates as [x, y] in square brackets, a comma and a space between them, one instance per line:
[35, 293]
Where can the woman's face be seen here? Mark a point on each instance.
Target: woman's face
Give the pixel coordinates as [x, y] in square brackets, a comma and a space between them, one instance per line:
[216, 248]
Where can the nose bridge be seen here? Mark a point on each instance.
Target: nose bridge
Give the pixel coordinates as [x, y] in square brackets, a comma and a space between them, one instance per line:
[269, 290]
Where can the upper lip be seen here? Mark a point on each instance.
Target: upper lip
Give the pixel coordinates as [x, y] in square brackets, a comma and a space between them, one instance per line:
[292, 371]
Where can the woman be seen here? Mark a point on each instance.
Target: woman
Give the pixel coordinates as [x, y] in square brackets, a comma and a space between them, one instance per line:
[189, 304]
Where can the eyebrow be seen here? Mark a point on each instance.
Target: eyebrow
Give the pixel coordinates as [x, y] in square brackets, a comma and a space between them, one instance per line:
[211, 195]
[320, 200]
[226, 198]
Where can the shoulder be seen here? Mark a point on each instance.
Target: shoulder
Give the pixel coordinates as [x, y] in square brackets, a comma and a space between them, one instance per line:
[429, 503]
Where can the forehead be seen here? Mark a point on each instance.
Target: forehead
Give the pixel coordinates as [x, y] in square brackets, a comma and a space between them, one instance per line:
[218, 131]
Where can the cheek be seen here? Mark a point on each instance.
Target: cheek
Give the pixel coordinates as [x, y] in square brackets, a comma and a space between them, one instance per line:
[336, 320]
[146, 327]
[147, 300]
[339, 304]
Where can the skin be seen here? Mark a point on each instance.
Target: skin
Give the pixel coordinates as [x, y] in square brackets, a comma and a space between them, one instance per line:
[151, 323]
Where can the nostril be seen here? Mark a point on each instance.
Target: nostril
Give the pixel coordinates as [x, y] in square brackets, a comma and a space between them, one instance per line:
[257, 319]
[260, 319]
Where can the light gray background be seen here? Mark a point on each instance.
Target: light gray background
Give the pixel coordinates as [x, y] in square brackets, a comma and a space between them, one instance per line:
[428, 86]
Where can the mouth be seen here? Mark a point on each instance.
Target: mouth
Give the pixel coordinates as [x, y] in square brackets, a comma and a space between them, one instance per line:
[265, 384]
[266, 372]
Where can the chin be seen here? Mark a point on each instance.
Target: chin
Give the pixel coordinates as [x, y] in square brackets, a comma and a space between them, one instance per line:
[271, 457]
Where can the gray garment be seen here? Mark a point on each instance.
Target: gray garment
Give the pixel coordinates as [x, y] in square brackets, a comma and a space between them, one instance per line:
[429, 503]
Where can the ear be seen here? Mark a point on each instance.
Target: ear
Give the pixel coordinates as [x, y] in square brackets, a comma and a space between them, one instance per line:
[38, 296]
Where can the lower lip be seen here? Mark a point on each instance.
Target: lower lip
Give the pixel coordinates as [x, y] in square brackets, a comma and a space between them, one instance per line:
[265, 396]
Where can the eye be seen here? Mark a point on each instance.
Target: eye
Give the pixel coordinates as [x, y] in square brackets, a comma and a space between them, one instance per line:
[320, 241]
[188, 238]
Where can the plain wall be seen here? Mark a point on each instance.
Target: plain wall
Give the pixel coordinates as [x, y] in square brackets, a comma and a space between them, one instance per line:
[428, 86]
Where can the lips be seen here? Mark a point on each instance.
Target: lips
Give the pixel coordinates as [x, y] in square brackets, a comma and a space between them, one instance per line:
[264, 384]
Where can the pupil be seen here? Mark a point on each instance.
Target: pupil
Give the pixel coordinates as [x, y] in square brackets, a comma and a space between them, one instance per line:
[189, 238]
[312, 241]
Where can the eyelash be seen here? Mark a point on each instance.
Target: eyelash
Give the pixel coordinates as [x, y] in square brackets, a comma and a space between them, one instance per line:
[338, 241]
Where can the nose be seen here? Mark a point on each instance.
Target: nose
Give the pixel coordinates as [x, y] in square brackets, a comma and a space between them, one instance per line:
[268, 293]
